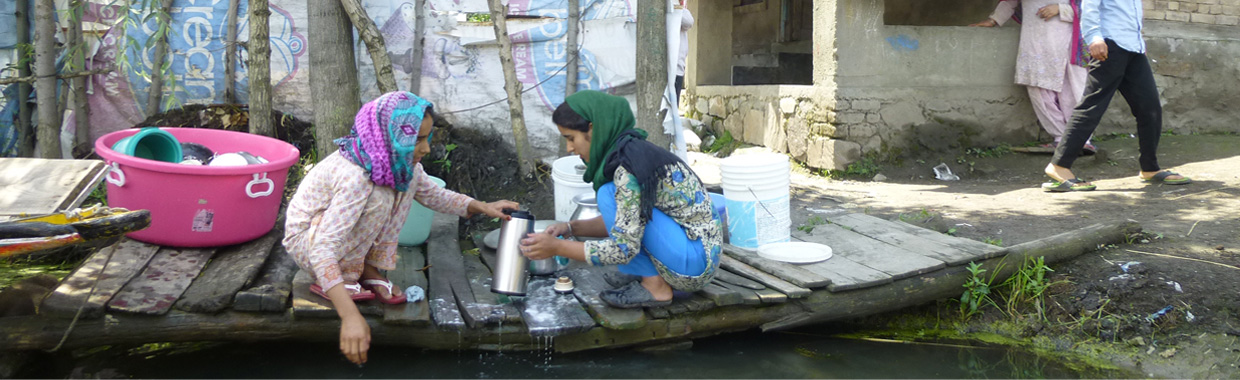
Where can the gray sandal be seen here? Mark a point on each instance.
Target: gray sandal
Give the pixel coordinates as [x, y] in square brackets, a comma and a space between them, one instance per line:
[631, 296]
[618, 279]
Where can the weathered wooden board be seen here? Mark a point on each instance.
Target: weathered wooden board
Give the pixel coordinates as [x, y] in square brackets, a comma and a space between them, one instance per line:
[409, 272]
[479, 277]
[587, 284]
[886, 233]
[768, 279]
[892, 260]
[748, 296]
[658, 313]
[228, 271]
[845, 274]
[862, 223]
[788, 272]
[547, 313]
[163, 281]
[274, 286]
[127, 258]
[34, 186]
[443, 255]
[771, 296]
[735, 279]
[309, 305]
[721, 295]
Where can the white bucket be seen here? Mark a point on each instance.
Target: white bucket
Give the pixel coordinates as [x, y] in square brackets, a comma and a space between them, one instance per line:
[568, 184]
[755, 187]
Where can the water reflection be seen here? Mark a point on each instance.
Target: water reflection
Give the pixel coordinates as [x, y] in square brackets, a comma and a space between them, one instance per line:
[803, 354]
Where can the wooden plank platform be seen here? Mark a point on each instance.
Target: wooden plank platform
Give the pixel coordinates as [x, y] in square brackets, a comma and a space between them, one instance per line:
[547, 313]
[274, 286]
[891, 260]
[866, 224]
[310, 305]
[767, 279]
[106, 271]
[410, 265]
[226, 273]
[163, 281]
[34, 186]
[788, 272]
[445, 264]
[587, 284]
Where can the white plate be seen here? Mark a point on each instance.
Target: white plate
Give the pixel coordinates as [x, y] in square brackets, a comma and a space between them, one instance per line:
[795, 252]
[492, 238]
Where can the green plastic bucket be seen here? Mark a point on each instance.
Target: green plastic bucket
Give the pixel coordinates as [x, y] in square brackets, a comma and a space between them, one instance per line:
[418, 224]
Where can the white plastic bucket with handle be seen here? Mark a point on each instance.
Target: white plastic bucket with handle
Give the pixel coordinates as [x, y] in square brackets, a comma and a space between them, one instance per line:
[755, 189]
[566, 172]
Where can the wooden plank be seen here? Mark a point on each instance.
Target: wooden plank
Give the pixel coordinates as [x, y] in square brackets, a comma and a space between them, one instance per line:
[700, 303]
[163, 281]
[768, 279]
[230, 270]
[734, 279]
[128, 257]
[271, 291]
[892, 260]
[845, 274]
[658, 312]
[771, 296]
[547, 313]
[788, 272]
[720, 295]
[886, 233]
[587, 284]
[310, 305]
[444, 258]
[748, 296]
[410, 265]
[479, 277]
[34, 186]
[866, 222]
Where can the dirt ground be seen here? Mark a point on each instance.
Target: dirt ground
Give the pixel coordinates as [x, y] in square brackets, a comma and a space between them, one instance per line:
[1186, 259]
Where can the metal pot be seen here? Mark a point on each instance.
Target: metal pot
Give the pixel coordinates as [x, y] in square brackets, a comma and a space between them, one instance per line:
[587, 207]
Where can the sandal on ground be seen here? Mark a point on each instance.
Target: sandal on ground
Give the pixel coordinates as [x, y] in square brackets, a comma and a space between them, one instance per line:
[374, 284]
[355, 292]
[631, 296]
[618, 279]
[1161, 177]
[1089, 150]
[1074, 184]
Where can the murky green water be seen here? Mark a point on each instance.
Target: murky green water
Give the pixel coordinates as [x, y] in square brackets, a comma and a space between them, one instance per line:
[805, 353]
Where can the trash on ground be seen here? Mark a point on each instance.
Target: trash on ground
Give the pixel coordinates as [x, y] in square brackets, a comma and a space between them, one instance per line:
[1129, 265]
[1176, 285]
[943, 172]
[1159, 314]
[1188, 316]
[1168, 353]
[414, 294]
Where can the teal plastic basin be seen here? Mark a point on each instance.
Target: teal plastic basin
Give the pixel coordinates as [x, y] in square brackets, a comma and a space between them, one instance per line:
[418, 224]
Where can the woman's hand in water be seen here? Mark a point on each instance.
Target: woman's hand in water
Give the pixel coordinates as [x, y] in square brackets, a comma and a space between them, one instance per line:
[355, 339]
[540, 246]
[492, 209]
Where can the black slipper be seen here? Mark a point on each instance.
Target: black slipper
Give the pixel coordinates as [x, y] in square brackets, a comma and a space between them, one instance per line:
[1074, 184]
[618, 279]
[631, 296]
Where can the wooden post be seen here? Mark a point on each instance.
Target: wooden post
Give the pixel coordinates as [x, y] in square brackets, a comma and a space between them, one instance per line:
[260, 69]
[25, 133]
[573, 56]
[81, 112]
[652, 68]
[369, 33]
[155, 95]
[419, 40]
[230, 54]
[333, 73]
[45, 85]
[499, 17]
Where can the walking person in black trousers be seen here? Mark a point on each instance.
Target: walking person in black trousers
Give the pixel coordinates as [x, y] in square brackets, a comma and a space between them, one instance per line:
[1113, 29]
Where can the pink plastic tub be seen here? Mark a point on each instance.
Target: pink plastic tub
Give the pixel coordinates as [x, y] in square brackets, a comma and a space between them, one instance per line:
[201, 206]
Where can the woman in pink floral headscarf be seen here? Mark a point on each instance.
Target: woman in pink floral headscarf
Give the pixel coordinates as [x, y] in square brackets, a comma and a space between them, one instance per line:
[343, 221]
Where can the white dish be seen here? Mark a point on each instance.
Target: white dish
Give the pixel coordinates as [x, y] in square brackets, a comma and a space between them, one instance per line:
[492, 238]
[795, 252]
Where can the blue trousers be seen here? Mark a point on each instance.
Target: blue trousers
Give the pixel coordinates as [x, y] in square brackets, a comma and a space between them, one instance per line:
[664, 239]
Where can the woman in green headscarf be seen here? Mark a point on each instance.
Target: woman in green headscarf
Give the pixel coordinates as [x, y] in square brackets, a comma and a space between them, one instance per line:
[660, 228]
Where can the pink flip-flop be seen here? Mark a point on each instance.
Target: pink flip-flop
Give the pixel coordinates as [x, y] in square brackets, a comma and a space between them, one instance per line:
[356, 292]
[374, 283]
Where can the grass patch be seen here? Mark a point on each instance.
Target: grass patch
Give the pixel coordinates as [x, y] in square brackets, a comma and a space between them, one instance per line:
[993, 241]
[998, 151]
[809, 225]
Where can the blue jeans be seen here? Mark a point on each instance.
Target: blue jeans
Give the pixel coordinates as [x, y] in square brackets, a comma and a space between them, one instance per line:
[663, 239]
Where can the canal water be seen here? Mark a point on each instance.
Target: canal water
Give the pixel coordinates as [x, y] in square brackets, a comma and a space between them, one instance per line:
[805, 353]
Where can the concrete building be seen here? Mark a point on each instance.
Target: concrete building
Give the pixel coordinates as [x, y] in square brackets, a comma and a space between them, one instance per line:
[830, 80]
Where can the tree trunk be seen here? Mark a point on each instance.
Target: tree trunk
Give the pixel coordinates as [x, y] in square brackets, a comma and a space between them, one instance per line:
[333, 73]
[230, 54]
[573, 57]
[499, 17]
[25, 133]
[369, 33]
[260, 69]
[652, 68]
[155, 94]
[419, 39]
[45, 85]
[81, 111]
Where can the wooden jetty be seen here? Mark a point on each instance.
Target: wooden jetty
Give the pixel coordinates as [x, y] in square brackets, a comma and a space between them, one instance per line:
[133, 292]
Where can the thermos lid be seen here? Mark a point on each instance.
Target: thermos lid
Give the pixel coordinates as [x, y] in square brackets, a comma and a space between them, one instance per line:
[519, 214]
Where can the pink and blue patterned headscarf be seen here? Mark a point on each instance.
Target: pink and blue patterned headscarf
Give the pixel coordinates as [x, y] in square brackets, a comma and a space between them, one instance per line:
[384, 136]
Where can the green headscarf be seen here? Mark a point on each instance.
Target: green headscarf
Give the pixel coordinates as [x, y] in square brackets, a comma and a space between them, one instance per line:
[611, 117]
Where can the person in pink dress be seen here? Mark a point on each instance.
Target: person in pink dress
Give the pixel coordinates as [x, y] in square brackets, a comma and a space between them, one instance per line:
[342, 223]
[1050, 61]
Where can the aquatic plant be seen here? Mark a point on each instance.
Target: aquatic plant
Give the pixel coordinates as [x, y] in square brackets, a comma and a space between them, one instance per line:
[1028, 287]
[976, 291]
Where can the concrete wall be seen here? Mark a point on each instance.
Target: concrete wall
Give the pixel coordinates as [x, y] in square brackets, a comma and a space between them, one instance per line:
[710, 52]
[936, 12]
[755, 28]
[1208, 12]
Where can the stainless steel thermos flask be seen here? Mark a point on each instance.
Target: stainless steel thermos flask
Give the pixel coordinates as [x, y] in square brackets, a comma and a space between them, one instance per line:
[511, 271]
